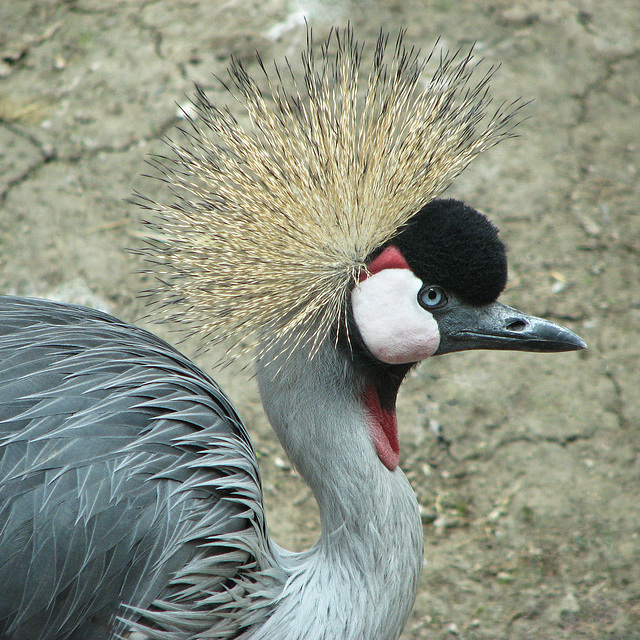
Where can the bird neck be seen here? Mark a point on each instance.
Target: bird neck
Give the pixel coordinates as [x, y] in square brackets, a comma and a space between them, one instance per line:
[369, 554]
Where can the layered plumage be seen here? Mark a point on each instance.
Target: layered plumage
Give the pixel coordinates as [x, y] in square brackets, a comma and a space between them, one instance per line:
[121, 465]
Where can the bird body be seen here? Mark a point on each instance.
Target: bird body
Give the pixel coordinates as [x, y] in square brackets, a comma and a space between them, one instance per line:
[130, 497]
[128, 467]
[105, 484]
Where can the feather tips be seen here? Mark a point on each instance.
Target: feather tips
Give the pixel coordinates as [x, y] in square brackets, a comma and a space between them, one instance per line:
[273, 219]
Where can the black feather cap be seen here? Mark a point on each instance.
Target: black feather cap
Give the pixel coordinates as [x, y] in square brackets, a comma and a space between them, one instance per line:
[450, 244]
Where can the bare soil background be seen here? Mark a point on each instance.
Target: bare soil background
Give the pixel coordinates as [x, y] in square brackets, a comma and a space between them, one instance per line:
[526, 466]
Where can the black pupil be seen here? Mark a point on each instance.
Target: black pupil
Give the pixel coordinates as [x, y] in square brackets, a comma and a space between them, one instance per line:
[433, 294]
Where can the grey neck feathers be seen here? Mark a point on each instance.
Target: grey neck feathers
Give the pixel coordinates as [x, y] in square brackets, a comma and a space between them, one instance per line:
[359, 580]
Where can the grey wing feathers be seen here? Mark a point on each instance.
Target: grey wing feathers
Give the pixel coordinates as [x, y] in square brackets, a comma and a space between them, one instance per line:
[120, 464]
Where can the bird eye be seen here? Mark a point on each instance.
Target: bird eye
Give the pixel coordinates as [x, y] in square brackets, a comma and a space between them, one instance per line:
[431, 297]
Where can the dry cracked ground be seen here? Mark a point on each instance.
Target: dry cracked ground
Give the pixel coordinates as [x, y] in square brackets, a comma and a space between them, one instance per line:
[526, 466]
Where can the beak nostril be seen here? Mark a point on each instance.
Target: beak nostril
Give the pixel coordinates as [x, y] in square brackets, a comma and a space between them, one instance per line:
[516, 325]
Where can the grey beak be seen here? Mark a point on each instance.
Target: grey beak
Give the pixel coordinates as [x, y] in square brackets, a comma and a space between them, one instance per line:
[496, 326]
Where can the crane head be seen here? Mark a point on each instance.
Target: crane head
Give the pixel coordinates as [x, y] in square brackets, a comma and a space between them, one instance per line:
[271, 222]
[433, 289]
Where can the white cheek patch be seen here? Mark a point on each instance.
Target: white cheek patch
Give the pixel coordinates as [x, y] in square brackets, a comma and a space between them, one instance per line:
[394, 327]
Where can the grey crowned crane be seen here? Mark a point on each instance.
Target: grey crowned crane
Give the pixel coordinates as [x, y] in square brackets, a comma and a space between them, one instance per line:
[311, 236]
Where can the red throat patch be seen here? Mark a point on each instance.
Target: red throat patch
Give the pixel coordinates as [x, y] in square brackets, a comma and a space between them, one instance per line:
[383, 426]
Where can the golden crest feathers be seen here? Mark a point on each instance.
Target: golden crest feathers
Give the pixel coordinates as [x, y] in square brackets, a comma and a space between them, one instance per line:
[272, 221]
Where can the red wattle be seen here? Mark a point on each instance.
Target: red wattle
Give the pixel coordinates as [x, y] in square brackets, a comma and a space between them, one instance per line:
[383, 426]
[390, 258]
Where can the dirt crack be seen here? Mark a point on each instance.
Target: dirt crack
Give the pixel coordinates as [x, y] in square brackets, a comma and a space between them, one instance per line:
[48, 153]
[617, 405]
[561, 441]
[156, 33]
[599, 84]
